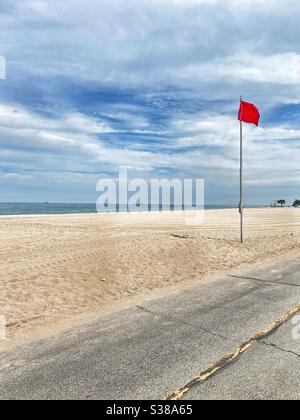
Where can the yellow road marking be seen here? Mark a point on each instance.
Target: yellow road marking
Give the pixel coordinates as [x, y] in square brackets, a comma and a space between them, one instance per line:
[231, 357]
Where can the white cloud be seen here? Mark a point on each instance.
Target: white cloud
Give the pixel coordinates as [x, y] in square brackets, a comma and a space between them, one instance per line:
[271, 153]
[206, 142]
[274, 69]
[137, 42]
[197, 49]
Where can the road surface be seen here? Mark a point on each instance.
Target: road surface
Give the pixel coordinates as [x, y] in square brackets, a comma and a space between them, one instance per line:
[152, 350]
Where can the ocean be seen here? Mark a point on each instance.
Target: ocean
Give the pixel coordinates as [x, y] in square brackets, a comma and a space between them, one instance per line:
[9, 209]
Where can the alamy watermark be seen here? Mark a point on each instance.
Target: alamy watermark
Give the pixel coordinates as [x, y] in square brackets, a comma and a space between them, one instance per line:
[131, 195]
[2, 67]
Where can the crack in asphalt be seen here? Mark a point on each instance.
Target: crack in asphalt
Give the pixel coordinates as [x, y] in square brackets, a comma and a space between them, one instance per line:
[275, 346]
[169, 318]
[231, 357]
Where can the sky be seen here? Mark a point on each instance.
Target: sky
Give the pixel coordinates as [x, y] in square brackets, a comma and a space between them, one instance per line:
[154, 86]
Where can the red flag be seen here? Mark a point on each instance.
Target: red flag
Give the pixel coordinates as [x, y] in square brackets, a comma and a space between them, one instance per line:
[249, 113]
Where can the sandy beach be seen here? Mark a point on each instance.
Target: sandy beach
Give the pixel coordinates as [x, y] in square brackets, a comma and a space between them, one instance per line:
[54, 268]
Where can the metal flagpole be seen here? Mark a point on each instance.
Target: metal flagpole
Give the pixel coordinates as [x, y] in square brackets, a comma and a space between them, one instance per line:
[241, 206]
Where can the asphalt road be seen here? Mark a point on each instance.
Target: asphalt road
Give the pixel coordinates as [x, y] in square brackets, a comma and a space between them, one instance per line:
[149, 351]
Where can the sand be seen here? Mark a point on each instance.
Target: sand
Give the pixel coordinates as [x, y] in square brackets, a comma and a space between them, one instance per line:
[54, 268]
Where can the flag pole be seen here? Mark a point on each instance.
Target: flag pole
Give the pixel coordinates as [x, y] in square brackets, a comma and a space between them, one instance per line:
[241, 206]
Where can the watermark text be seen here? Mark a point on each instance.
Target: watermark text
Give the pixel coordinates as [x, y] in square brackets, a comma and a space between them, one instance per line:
[131, 195]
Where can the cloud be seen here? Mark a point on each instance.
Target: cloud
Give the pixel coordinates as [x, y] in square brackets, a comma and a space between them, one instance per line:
[138, 42]
[73, 144]
[150, 85]
[274, 69]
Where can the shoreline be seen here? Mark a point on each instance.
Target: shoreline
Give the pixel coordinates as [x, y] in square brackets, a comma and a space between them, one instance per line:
[157, 212]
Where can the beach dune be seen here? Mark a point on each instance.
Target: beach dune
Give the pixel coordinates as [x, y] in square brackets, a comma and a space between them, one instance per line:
[55, 267]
